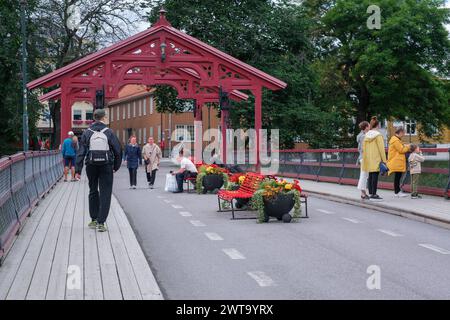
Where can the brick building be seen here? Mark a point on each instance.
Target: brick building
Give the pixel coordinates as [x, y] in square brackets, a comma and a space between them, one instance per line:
[134, 113]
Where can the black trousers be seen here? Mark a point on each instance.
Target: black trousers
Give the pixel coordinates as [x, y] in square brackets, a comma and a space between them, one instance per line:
[151, 176]
[181, 176]
[373, 182]
[397, 180]
[133, 176]
[100, 190]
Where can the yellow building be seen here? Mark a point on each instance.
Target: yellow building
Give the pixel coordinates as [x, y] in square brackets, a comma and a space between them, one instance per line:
[412, 134]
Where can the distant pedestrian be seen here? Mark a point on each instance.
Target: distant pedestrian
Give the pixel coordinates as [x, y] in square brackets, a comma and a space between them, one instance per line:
[133, 160]
[152, 158]
[397, 159]
[101, 150]
[415, 169]
[373, 155]
[69, 154]
[187, 170]
[363, 175]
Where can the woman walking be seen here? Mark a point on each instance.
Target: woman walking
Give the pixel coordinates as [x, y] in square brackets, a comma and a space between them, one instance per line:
[373, 155]
[397, 159]
[152, 157]
[133, 159]
[363, 175]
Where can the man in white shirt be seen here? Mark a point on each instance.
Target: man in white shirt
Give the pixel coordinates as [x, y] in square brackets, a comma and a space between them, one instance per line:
[187, 170]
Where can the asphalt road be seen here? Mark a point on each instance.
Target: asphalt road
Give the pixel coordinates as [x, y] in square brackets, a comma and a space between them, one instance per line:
[198, 253]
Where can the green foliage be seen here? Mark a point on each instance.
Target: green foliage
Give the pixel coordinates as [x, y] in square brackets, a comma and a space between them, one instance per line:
[274, 37]
[202, 173]
[257, 203]
[390, 72]
[11, 110]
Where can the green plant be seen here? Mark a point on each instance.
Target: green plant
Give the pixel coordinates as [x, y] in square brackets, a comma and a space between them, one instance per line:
[269, 189]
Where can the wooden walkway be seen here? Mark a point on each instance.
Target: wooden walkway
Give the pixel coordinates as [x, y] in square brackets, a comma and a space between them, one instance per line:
[57, 257]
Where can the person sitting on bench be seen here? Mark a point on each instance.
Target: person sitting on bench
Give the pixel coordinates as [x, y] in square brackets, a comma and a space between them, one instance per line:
[187, 170]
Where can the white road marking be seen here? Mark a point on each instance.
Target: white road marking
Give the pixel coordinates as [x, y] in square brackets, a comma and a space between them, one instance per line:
[325, 211]
[213, 236]
[434, 248]
[261, 278]
[197, 223]
[168, 201]
[233, 254]
[176, 206]
[352, 220]
[185, 214]
[390, 233]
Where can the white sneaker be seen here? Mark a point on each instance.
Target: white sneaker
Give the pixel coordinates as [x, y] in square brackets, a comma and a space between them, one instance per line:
[401, 194]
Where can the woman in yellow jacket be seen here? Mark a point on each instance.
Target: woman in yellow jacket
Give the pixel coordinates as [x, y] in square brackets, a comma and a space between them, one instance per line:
[397, 159]
[373, 154]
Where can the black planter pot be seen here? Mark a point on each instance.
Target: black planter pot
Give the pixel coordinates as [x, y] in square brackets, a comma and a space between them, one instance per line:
[279, 207]
[212, 182]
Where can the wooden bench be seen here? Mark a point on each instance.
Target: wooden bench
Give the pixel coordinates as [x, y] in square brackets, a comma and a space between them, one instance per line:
[246, 190]
[188, 182]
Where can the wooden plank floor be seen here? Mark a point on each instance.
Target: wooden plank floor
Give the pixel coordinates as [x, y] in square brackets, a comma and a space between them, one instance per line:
[56, 257]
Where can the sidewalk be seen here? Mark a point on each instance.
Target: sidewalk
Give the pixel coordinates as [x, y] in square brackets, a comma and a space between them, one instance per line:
[433, 210]
[55, 256]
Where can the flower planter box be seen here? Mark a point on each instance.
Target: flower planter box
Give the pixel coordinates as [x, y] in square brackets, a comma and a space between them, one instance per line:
[212, 182]
[279, 207]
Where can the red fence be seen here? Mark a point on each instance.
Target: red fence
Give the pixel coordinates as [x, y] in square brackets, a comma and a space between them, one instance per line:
[24, 179]
[340, 166]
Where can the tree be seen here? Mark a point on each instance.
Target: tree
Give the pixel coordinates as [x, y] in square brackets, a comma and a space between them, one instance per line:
[11, 77]
[272, 36]
[393, 71]
[71, 29]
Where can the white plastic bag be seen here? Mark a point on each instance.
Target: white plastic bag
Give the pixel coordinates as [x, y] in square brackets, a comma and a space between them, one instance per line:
[171, 183]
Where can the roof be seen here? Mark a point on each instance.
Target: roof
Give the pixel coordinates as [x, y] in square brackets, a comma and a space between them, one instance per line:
[161, 25]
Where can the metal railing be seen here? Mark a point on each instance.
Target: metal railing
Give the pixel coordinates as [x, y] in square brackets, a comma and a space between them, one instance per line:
[340, 166]
[24, 179]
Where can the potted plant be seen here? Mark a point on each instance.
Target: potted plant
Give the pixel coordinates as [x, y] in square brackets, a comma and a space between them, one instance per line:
[276, 198]
[234, 182]
[210, 178]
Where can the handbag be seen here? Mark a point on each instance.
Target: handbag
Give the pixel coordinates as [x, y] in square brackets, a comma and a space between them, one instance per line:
[171, 183]
[383, 168]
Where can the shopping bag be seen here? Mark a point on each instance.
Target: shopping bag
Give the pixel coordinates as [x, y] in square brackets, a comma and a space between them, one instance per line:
[171, 183]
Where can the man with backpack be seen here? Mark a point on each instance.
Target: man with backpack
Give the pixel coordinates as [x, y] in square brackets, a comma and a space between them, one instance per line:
[101, 151]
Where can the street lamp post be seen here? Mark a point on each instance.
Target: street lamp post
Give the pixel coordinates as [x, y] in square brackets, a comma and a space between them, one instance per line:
[23, 4]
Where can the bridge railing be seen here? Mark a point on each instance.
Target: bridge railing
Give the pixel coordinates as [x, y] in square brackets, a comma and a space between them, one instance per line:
[24, 179]
[340, 166]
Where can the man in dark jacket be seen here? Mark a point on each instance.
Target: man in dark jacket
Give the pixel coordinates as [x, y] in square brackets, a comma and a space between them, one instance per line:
[100, 176]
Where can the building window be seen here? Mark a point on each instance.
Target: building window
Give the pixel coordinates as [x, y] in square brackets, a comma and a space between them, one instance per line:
[144, 102]
[89, 115]
[184, 133]
[140, 107]
[159, 133]
[145, 136]
[129, 111]
[134, 109]
[411, 127]
[77, 115]
[111, 110]
[124, 136]
[151, 105]
[151, 132]
[123, 112]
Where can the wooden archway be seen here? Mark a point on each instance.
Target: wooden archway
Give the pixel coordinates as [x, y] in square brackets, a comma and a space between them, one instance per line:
[159, 55]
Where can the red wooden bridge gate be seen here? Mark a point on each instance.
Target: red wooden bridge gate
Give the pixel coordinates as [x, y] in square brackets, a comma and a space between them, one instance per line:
[159, 55]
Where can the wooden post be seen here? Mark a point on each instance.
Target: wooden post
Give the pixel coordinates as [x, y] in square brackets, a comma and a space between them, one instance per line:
[66, 114]
[258, 124]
